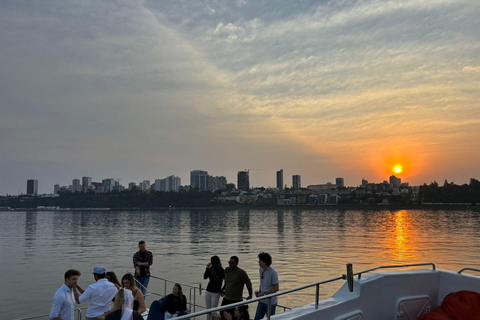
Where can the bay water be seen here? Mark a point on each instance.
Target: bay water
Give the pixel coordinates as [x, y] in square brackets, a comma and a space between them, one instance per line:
[307, 245]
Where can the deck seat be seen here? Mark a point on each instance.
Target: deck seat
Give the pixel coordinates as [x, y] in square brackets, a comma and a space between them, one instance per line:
[461, 305]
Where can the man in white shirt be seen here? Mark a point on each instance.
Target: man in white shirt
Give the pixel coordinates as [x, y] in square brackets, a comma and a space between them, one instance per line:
[100, 294]
[268, 284]
[64, 301]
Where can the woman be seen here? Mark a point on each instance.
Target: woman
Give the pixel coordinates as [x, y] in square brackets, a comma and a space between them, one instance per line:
[112, 277]
[216, 274]
[176, 303]
[241, 313]
[122, 307]
[128, 282]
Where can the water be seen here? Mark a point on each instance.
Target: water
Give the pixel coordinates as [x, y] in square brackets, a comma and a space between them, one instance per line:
[306, 246]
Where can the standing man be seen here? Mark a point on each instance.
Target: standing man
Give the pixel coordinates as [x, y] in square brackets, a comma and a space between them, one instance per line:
[235, 280]
[100, 294]
[64, 300]
[142, 260]
[268, 284]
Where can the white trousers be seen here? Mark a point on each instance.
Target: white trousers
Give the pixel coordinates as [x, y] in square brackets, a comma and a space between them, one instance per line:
[211, 299]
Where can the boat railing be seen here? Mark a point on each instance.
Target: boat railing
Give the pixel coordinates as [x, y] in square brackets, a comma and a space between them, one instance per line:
[208, 312]
[78, 311]
[468, 269]
[395, 267]
[348, 277]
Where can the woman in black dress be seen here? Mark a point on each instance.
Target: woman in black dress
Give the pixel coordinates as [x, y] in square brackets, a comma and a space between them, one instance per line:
[216, 274]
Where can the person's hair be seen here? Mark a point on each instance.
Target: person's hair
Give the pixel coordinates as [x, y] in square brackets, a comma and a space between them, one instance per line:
[100, 275]
[141, 242]
[113, 277]
[180, 291]
[216, 266]
[129, 278]
[243, 310]
[265, 257]
[235, 258]
[71, 272]
[118, 303]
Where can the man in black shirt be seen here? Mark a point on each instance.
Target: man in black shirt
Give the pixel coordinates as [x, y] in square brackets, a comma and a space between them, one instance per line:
[142, 260]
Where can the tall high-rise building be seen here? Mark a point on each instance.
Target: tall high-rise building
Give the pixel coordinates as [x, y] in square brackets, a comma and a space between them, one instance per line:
[339, 182]
[76, 185]
[199, 180]
[395, 182]
[56, 188]
[32, 187]
[217, 183]
[280, 179]
[243, 180]
[86, 184]
[296, 182]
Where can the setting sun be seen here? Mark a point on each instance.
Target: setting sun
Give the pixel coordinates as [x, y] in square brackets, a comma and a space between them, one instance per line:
[397, 168]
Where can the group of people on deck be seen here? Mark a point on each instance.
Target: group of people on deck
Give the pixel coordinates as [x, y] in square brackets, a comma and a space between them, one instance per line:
[129, 300]
[234, 279]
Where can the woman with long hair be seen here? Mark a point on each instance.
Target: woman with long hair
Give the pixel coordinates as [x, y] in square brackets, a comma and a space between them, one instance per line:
[176, 303]
[112, 277]
[216, 274]
[128, 282]
[241, 313]
[122, 307]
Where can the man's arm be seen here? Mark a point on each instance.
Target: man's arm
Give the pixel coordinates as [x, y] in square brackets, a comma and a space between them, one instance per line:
[149, 258]
[248, 283]
[85, 295]
[274, 289]
[56, 307]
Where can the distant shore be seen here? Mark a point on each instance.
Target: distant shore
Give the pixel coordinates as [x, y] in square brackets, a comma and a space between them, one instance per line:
[388, 207]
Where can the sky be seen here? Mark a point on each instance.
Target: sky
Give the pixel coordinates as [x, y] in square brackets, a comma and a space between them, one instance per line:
[140, 90]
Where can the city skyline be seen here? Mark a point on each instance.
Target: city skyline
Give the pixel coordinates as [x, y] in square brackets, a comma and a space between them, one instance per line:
[323, 89]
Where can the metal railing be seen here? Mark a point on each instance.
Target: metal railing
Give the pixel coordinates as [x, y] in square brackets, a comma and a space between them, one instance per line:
[349, 274]
[348, 277]
[468, 269]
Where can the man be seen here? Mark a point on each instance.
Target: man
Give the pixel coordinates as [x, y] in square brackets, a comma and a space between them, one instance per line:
[268, 284]
[142, 260]
[100, 294]
[64, 300]
[235, 280]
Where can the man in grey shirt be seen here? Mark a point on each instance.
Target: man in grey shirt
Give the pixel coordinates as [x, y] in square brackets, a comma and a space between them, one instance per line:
[268, 284]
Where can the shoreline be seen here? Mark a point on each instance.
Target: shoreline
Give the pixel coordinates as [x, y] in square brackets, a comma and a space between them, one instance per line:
[389, 207]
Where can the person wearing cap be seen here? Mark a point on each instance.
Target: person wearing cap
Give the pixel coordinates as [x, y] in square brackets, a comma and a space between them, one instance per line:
[99, 294]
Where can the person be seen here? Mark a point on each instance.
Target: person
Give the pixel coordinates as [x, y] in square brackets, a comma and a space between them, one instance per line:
[176, 303]
[64, 299]
[215, 273]
[112, 277]
[128, 282]
[268, 284]
[241, 313]
[122, 307]
[235, 280]
[142, 260]
[100, 294]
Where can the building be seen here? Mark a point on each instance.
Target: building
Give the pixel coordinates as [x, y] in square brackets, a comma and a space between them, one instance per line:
[339, 182]
[395, 182]
[56, 188]
[109, 185]
[364, 183]
[76, 185]
[296, 182]
[132, 186]
[199, 180]
[144, 185]
[170, 183]
[243, 180]
[217, 183]
[32, 187]
[280, 180]
[86, 184]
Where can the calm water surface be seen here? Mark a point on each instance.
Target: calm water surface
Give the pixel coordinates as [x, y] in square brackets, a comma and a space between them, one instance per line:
[306, 245]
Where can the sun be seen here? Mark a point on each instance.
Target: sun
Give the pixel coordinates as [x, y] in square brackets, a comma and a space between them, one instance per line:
[398, 168]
